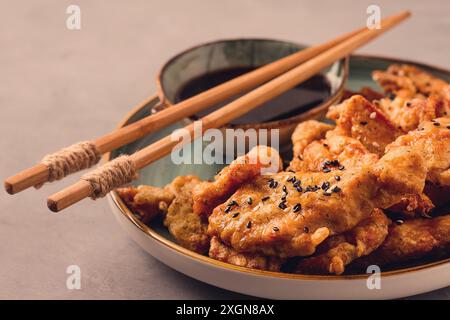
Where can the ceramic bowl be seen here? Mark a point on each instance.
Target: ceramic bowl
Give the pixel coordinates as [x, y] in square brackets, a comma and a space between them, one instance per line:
[244, 53]
[402, 281]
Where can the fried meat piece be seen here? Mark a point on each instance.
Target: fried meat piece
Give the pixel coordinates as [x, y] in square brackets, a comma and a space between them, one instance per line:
[358, 118]
[188, 228]
[259, 160]
[340, 250]
[146, 201]
[366, 92]
[410, 240]
[291, 217]
[407, 114]
[221, 252]
[306, 132]
[432, 139]
[408, 81]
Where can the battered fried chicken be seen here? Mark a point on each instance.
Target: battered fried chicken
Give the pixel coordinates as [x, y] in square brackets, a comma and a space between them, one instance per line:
[259, 160]
[188, 228]
[407, 114]
[340, 250]
[146, 201]
[410, 82]
[290, 215]
[367, 92]
[432, 139]
[221, 252]
[358, 118]
[175, 201]
[410, 240]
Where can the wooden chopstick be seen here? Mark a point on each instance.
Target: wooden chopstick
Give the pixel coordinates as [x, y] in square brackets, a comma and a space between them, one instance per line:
[235, 109]
[39, 173]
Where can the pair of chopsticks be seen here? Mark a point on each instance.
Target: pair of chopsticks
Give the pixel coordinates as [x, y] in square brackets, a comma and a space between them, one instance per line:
[283, 74]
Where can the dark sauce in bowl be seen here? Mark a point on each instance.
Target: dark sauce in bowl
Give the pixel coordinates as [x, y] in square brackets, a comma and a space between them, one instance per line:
[303, 97]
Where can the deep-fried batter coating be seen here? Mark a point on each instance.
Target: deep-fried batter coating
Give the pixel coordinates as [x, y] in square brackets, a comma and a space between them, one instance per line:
[432, 139]
[188, 228]
[221, 252]
[407, 114]
[275, 215]
[358, 118]
[414, 205]
[408, 81]
[306, 132]
[340, 250]
[259, 160]
[147, 201]
[410, 240]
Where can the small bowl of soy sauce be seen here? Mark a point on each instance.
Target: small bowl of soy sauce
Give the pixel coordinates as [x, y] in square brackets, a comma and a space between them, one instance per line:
[204, 66]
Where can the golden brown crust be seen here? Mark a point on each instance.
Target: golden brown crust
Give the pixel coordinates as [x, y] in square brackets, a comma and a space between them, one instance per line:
[221, 252]
[411, 240]
[208, 195]
[340, 250]
[281, 230]
[146, 201]
[188, 228]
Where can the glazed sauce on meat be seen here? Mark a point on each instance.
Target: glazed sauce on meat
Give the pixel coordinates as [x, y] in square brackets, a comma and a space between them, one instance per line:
[295, 101]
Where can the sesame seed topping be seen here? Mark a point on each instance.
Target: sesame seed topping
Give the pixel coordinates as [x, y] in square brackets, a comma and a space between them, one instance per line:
[235, 214]
[363, 123]
[341, 167]
[297, 207]
[306, 229]
[282, 205]
[336, 189]
[408, 104]
[273, 184]
[448, 127]
[250, 200]
[265, 199]
[249, 225]
[326, 193]
[284, 189]
[299, 189]
[325, 185]
[227, 209]
[233, 203]
[337, 178]
[275, 229]
[326, 170]
[437, 124]
[399, 222]
[373, 115]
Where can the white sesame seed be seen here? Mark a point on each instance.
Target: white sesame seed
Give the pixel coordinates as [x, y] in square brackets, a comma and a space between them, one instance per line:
[373, 115]
[375, 144]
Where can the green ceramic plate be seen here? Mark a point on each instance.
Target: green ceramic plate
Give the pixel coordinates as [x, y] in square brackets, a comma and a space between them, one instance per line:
[164, 171]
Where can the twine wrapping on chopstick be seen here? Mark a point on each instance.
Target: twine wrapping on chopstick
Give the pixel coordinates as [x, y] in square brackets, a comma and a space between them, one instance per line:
[112, 175]
[77, 157]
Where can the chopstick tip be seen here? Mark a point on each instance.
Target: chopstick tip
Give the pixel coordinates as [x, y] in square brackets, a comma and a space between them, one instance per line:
[52, 205]
[8, 187]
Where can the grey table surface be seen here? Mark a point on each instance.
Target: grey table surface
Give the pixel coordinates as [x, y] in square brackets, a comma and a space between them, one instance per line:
[59, 86]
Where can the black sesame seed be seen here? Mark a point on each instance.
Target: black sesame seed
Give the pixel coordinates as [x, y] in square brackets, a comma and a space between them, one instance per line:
[282, 205]
[306, 229]
[297, 183]
[249, 225]
[336, 189]
[233, 203]
[363, 123]
[265, 199]
[325, 185]
[227, 209]
[399, 222]
[326, 170]
[408, 104]
[276, 229]
[437, 124]
[290, 170]
[297, 207]
[391, 95]
[341, 167]
[326, 193]
[284, 189]
[338, 178]
[290, 179]
[327, 163]
[299, 189]
[335, 163]
[308, 189]
[235, 214]
[325, 145]
[250, 200]
[448, 127]
[273, 184]
[315, 188]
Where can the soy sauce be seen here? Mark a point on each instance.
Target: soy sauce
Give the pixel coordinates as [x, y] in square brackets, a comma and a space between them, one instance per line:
[295, 101]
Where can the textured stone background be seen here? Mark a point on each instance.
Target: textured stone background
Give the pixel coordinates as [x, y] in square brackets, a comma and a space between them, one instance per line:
[60, 86]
